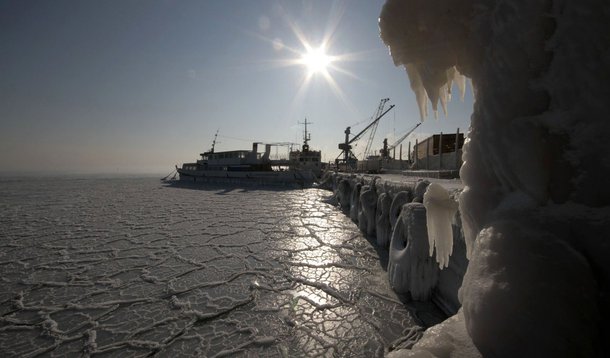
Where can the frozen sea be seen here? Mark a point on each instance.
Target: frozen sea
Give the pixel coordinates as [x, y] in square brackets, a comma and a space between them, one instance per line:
[129, 267]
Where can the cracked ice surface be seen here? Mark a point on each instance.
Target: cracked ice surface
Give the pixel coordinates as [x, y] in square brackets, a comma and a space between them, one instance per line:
[126, 267]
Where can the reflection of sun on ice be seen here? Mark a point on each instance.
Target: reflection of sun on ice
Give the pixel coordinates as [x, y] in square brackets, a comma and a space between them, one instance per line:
[316, 60]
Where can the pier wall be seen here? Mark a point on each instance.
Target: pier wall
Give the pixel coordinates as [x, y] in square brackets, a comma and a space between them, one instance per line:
[391, 213]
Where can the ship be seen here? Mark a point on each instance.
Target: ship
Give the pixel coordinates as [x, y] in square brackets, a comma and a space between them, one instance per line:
[306, 159]
[302, 169]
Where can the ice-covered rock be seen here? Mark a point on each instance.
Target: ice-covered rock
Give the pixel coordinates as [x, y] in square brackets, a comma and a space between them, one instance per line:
[382, 220]
[537, 142]
[410, 268]
[446, 339]
[552, 284]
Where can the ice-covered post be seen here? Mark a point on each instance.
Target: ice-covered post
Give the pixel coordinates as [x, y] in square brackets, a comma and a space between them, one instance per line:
[400, 155]
[457, 146]
[415, 153]
[428, 152]
[440, 152]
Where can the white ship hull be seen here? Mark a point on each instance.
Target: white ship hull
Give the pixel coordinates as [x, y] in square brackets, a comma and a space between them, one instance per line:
[300, 178]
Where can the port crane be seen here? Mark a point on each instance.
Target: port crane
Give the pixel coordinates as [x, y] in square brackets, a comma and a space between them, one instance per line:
[385, 151]
[346, 147]
[369, 143]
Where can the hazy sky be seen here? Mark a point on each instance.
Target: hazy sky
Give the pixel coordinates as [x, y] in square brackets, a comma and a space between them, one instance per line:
[141, 85]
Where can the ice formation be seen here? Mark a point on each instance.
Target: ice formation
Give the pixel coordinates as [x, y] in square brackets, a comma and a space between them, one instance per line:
[448, 339]
[124, 267]
[344, 194]
[382, 219]
[410, 268]
[440, 209]
[355, 202]
[366, 213]
[535, 162]
[420, 190]
[401, 198]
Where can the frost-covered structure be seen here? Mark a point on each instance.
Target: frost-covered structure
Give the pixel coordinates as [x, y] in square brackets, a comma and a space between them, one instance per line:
[411, 269]
[382, 219]
[355, 201]
[401, 198]
[535, 209]
[391, 212]
[366, 212]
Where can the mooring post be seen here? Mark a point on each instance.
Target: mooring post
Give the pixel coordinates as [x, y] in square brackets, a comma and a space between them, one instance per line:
[440, 152]
[457, 147]
[415, 153]
[428, 151]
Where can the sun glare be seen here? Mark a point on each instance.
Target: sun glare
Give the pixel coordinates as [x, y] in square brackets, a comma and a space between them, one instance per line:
[316, 60]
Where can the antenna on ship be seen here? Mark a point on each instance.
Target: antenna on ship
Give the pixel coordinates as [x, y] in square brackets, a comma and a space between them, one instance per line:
[214, 141]
[306, 136]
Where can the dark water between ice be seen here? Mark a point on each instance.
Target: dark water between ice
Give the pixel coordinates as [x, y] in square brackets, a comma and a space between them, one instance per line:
[129, 267]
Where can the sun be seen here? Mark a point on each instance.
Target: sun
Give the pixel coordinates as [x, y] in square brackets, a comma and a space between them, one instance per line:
[320, 63]
[316, 60]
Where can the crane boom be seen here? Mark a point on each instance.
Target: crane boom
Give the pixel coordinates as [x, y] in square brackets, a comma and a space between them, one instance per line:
[357, 136]
[385, 151]
[374, 127]
[348, 157]
[403, 137]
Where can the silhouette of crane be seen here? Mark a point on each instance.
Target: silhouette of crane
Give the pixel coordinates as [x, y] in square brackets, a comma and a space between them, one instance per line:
[346, 148]
[385, 152]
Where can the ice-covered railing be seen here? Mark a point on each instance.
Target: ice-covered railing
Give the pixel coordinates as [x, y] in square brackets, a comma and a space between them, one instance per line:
[535, 163]
[423, 260]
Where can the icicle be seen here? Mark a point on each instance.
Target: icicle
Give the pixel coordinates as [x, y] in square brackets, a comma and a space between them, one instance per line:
[443, 95]
[450, 77]
[419, 90]
[440, 209]
[460, 80]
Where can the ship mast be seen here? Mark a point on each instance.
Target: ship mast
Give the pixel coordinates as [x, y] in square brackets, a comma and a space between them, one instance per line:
[306, 136]
[214, 142]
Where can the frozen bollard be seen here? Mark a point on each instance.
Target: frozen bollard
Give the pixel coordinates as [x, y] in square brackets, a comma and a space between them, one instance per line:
[382, 220]
[355, 199]
[410, 268]
[344, 194]
[401, 198]
[420, 190]
[366, 213]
